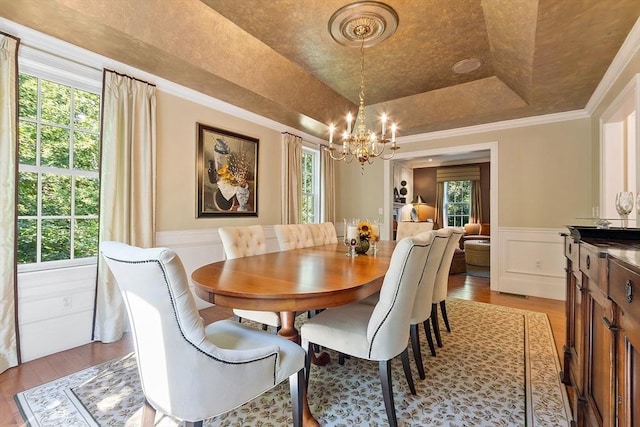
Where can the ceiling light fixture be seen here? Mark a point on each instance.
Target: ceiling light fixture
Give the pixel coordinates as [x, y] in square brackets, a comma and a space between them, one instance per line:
[363, 24]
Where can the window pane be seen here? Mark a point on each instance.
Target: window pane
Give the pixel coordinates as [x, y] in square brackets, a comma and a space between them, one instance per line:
[85, 151]
[56, 103]
[54, 147]
[27, 194]
[27, 241]
[85, 242]
[56, 194]
[27, 145]
[56, 239]
[28, 96]
[87, 110]
[86, 196]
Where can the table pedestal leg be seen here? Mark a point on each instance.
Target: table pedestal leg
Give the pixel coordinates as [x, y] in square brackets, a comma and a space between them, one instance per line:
[289, 331]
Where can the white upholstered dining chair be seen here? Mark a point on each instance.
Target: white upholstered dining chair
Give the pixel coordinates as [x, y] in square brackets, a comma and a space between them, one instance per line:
[293, 236]
[376, 333]
[239, 242]
[323, 233]
[442, 282]
[187, 370]
[406, 229]
[422, 306]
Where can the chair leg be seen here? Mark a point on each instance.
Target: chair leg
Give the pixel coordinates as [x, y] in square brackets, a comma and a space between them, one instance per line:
[340, 359]
[148, 414]
[407, 370]
[296, 388]
[443, 309]
[417, 354]
[306, 346]
[237, 318]
[387, 391]
[434, 323]
[193, 423]
[427, 332]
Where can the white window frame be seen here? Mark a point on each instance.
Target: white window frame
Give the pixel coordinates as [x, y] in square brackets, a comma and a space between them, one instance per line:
[53, 68]
[446, 205]
[315, 182]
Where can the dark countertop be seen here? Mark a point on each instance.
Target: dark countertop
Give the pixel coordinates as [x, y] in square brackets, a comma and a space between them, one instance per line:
[619, 243]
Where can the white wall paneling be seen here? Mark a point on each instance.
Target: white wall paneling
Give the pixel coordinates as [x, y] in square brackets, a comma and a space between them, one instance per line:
[531, 262]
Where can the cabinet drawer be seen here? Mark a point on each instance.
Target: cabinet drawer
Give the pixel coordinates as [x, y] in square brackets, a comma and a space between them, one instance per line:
[593, 264]
[572, 251]
[625, 288]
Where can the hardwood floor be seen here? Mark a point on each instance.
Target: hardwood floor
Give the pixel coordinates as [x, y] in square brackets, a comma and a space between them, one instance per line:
[48, 368]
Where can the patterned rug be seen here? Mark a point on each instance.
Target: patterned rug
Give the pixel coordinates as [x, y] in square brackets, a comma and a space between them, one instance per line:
[498, 367]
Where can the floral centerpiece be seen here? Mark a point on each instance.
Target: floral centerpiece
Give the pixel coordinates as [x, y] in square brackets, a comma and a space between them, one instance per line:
[365, 235]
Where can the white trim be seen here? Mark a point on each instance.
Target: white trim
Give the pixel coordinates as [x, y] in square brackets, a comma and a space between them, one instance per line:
[493, 195]
[490, 127]
[628, 49]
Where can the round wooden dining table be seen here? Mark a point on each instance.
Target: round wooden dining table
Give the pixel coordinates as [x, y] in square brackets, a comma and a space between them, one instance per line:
[296, 280]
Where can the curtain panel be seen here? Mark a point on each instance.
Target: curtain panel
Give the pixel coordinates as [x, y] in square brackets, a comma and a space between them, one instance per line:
[328, 185]
[292, 177]
[127, 186]
[9, 349]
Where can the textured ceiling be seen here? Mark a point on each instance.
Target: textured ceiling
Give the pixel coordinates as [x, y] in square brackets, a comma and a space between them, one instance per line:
[277, 59]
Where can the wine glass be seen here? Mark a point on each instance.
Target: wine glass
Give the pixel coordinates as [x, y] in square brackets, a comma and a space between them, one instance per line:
[624, 206]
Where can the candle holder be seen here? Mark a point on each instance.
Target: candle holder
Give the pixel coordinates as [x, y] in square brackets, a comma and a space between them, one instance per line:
[350, 236]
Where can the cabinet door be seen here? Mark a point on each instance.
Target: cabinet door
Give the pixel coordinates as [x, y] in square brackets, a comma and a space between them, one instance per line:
[628, 371]
[599, 358]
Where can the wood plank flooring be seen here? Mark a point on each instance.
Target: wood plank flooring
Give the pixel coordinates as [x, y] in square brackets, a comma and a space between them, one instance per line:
[48, 368]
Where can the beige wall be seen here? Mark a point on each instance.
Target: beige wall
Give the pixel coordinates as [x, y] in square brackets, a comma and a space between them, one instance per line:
[544, 174]
[359, 195]
[176, 163]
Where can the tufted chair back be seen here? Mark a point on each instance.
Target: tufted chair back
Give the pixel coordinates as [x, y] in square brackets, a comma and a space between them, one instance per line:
[323, 233]
[293, 236]
[239, 242]
[187, 370]
[406, 229]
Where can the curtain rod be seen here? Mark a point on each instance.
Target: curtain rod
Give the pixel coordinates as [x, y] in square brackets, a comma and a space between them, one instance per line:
[130, 77]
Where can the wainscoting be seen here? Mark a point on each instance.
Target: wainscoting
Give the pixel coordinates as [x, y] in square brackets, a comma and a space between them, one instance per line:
[530, 262]
[56, 306]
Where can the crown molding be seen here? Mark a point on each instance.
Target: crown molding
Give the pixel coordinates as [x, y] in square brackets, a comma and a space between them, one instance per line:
[489, 127]
[627, 51]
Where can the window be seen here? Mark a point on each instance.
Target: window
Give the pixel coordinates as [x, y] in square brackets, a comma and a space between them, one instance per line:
[310, 204]
[58, 188]
[457, 203]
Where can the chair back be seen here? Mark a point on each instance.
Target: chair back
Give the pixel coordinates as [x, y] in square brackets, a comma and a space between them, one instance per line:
[323, 233]
[406, 229]
[240, 242]
[442, 278]
[182, 373]
[388, 328]
[293, 236]
[424, 294]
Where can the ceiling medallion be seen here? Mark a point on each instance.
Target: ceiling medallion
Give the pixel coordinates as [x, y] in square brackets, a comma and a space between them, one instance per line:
[378, 21]
[362, 25]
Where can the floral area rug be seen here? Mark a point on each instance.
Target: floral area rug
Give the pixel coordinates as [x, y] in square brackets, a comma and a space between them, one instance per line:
[498, 367]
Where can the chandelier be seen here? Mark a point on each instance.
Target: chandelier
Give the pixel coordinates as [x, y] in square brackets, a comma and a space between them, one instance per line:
[367, 23]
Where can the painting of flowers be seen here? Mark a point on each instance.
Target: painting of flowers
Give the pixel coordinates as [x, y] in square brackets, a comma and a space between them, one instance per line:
[227, 173]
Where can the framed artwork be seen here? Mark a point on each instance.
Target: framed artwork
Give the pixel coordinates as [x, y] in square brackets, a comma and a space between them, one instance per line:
[227, 173]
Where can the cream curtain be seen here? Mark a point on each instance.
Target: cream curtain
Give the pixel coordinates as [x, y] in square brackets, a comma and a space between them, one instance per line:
[292, 187]
[328, 185]
[9, 353]
[127, 185]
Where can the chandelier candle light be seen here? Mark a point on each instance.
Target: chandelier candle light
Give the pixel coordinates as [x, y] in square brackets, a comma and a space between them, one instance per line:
[362, 22]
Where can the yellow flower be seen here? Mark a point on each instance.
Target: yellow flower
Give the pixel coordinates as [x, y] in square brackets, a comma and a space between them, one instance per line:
[365, 230]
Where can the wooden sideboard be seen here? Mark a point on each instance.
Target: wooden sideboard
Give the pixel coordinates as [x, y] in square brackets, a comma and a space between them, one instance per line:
[601, 361]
